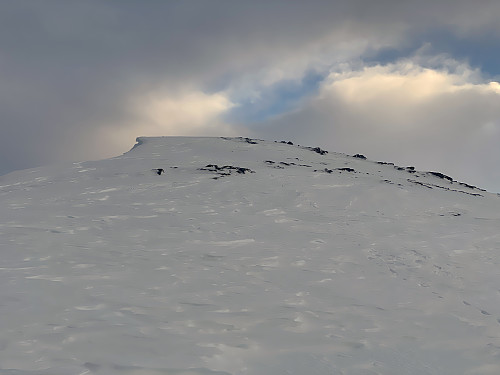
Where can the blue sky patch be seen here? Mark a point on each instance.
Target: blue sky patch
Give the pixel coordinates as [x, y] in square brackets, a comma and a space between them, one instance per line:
[276, 99]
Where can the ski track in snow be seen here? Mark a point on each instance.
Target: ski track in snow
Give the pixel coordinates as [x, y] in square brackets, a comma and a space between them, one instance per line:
[298, 268]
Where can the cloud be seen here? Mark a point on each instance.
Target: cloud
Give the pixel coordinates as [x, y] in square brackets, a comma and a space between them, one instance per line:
[191, 113]
[408, 114]
[76, 77]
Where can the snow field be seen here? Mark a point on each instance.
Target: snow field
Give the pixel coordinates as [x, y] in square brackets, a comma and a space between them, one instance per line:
[110, 268]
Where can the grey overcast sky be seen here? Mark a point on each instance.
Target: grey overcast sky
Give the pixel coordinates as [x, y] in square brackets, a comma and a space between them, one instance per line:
[410, 82]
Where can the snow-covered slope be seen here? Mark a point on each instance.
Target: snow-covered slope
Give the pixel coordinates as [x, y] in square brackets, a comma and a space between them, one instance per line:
[301, 267]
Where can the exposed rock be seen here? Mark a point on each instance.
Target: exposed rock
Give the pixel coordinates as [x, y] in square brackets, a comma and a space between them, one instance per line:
[430, 186]
[359, 156]
[226, 170]
[441, 175]
[346, 169]
[471, 186]
[317, 150]
[244, 139]
[158, 171]
[251, 141]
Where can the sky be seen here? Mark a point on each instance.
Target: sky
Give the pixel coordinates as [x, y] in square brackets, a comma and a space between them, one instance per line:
[409, 82]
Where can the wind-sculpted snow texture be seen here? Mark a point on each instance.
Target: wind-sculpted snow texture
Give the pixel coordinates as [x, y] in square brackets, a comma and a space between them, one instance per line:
[317, 263]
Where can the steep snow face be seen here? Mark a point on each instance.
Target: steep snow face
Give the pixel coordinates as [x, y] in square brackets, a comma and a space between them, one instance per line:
[233, 256]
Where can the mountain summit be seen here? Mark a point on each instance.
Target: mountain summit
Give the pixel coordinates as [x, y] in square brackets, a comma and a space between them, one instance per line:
[235, 256]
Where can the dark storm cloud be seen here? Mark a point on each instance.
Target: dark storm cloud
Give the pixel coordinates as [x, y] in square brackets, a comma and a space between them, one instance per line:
[71, 69]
